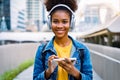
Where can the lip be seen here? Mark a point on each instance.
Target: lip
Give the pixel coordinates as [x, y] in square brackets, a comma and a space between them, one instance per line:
[60, 31]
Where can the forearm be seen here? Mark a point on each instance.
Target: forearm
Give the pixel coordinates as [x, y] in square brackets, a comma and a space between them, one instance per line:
[47, 74]
[77, 75]
[82, 76]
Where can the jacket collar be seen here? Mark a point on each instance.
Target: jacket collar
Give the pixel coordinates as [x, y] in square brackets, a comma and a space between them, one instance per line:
[50, 45]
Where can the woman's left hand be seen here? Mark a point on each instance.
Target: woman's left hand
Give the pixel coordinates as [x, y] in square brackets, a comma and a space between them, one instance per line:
[69, 67]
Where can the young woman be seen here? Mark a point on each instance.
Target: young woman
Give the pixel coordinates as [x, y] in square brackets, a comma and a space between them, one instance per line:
[61, 19]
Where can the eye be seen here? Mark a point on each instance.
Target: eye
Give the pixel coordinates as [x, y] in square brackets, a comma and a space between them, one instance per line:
[55, 21]
[64, 22]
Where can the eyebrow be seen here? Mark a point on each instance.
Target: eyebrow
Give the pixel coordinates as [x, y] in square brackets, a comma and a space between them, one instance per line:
[62, 19]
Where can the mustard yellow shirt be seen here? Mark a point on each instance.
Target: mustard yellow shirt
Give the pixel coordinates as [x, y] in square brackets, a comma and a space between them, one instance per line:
[62, 52]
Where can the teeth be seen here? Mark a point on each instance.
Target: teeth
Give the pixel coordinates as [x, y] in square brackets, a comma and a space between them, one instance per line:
[60, 31]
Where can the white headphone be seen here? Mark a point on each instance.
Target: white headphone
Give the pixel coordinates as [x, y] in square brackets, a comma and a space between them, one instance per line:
[72, 23]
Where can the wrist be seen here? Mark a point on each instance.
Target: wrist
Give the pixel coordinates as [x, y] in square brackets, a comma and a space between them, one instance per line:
[47, 73]
[77, 76]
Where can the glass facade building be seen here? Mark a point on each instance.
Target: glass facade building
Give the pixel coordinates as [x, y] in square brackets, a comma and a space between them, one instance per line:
[35, 13]
[18, 15]
[14, 14]
[5, 12]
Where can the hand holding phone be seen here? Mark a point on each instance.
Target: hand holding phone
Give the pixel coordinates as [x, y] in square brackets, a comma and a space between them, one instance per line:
[55, 61]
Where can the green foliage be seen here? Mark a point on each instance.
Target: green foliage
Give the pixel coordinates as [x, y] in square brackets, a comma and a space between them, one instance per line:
[10, 75]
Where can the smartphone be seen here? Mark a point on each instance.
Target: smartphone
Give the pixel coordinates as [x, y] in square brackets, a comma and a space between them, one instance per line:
[54, 62]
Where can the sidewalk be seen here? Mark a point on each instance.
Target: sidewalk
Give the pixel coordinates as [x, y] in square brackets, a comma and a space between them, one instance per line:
[28, 75]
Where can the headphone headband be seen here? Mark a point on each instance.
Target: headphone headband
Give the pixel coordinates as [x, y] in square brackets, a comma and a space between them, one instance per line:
[61, 5]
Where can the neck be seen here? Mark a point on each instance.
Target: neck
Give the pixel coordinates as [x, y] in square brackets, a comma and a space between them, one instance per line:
[63, 41]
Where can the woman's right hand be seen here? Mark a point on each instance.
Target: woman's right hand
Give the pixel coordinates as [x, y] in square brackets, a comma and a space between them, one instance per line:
[51, 67]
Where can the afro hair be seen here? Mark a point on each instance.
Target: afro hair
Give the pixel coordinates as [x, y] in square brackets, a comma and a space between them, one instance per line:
[70, 3]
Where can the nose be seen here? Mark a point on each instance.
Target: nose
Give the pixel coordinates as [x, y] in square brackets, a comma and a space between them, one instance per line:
[60, 25]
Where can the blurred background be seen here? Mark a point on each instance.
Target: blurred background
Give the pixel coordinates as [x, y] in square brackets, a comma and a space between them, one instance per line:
[23, 27]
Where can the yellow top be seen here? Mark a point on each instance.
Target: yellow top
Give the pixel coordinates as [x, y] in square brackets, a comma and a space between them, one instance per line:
[62, 52]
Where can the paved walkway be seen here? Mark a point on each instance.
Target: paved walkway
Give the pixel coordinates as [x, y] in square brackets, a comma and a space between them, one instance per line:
[28, 73]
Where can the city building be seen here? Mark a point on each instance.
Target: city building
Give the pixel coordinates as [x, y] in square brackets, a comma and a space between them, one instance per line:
[14, 14]
[5, 12]
[35, 14]
[18, 15]
[95, 15]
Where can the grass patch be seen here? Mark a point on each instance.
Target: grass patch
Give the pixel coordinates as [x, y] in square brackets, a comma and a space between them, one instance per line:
[10, 75]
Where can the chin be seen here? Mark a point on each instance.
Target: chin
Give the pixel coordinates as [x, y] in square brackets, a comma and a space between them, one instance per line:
[60, 36]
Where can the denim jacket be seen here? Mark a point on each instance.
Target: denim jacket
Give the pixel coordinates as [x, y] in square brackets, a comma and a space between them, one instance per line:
[82, 64]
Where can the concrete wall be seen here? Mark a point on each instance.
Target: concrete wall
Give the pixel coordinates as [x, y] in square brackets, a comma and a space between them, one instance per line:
[13, 55]
[106, 61]
[109, 51]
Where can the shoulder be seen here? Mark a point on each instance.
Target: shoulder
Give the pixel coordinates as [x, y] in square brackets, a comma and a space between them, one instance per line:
[44, 46]
[39, 50]
[79, 44]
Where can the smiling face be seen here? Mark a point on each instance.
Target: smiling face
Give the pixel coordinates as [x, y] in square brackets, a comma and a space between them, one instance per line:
[60, 23]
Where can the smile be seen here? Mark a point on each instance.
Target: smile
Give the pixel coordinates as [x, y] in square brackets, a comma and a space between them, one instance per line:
[60, 31]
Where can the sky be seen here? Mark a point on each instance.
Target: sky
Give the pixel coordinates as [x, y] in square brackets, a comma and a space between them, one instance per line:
[115, 4]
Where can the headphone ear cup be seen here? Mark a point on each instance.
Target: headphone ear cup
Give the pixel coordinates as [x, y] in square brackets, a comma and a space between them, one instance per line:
[72, 24]
[49, 22]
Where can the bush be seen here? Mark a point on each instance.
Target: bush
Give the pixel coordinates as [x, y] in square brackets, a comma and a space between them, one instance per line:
[10, 75]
